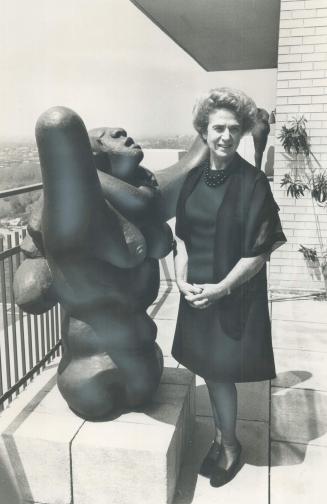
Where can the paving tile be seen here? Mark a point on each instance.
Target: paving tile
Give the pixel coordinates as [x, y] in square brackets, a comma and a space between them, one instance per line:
[169, 285]
[177, 377]
[307, 310]
[299, 416]
[167, 270]
[54, 404]
[300, 335]
[298, 474]
[301, 369]
[253, 400]
[166, 328]
[170, 362]
[250, 485]
[169, 308]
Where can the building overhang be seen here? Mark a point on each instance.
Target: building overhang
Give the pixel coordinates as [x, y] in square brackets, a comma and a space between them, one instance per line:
[220, 34]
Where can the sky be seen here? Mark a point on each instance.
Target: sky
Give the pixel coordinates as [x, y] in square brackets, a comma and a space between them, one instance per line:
[107, 61]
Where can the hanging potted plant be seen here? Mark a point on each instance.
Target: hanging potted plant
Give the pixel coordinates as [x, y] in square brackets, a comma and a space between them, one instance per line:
[311, 180]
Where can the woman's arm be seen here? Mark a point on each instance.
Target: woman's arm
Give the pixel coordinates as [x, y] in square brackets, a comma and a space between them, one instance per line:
[181, 263]
[243, 271]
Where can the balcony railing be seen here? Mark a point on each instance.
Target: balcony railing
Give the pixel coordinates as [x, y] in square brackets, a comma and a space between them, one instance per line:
[27, 342]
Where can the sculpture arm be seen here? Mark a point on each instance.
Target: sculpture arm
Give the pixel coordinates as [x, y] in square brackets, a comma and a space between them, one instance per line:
[170, 179]
[137, 204]
[76, 218]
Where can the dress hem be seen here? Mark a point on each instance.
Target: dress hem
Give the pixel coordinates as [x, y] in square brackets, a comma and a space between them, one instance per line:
[269, 376]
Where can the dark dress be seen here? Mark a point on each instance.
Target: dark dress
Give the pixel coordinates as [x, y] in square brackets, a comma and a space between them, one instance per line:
[231, 339]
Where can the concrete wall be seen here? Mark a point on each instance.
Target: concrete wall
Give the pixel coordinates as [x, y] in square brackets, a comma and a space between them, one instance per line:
[301, 90]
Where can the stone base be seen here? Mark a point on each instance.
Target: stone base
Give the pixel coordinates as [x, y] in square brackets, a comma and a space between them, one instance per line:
[50, 456]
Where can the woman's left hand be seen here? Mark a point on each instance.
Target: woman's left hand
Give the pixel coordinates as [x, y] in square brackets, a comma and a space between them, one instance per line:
[209, 294]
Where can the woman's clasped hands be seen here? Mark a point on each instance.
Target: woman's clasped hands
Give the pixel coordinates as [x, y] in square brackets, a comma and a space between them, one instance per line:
[201, 296]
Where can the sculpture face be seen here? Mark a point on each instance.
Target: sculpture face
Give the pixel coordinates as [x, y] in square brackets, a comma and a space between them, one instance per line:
[125, 155]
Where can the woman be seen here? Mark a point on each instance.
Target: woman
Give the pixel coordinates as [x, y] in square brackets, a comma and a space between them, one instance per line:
[227, 225]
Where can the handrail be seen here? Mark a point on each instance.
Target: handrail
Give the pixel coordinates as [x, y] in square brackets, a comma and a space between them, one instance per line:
[9, 252]
[21, 190]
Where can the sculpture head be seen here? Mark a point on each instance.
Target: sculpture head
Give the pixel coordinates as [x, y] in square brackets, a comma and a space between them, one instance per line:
[117, 153]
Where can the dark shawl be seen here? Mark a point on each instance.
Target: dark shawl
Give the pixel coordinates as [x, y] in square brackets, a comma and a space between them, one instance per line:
[247, 225]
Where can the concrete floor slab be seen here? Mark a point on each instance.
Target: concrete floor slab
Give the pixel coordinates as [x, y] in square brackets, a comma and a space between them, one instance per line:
[169, 309]
[177, 377]
[300, 310]
[166, 328]
[298, 474]
[299, 416]
[31, 396]
[253, 400]
[300, 369]
[54, 404]
[300, 335]
[167, 285]
[167, 270]
[250, 485]
[170, 362]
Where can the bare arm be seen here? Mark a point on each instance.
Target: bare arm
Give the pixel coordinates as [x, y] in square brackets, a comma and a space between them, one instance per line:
[181, 264]
[243, 271]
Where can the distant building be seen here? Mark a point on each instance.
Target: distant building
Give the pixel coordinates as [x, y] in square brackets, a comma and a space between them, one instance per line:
[11, 228]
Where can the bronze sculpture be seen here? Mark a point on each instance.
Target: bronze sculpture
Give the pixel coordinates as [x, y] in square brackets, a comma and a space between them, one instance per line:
[94, 245]
[260, 134]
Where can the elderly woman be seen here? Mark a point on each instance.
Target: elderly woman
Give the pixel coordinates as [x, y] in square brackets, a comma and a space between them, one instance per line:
[227, 225]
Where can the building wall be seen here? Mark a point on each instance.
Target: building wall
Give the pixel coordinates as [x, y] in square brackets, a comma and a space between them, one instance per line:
[301, 90]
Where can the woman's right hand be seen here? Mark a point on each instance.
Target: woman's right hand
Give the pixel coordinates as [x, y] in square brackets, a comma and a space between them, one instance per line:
[187, 289]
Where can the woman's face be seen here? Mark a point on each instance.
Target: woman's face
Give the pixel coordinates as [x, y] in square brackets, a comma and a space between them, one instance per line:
[224, 133]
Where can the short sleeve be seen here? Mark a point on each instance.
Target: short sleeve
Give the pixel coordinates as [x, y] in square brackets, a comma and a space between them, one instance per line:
[263, 230]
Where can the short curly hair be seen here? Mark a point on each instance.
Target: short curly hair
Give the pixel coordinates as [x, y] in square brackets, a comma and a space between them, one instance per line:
[233, 99]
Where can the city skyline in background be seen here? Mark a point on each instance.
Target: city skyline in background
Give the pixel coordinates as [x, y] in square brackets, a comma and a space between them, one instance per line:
[109, 63]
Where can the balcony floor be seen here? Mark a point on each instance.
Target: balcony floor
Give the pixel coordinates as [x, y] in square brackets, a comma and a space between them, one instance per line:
[282, 425]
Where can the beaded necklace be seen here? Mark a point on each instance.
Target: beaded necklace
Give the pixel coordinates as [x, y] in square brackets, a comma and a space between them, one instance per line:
[214, 178]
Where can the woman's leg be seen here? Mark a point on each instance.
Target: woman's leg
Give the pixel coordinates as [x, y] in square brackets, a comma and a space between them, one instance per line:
[214, 450]
[216, 418]
[223, 397]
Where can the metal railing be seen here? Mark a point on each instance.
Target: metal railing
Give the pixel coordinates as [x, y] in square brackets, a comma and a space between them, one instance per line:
[27, 342]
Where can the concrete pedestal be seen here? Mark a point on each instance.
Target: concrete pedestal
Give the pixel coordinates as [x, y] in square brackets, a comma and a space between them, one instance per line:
[50, 456]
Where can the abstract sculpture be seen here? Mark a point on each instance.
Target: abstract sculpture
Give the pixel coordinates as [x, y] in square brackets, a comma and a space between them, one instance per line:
[93, 245]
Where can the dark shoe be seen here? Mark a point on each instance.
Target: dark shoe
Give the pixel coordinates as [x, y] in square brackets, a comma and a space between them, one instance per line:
[221, 476]
[209, 460]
